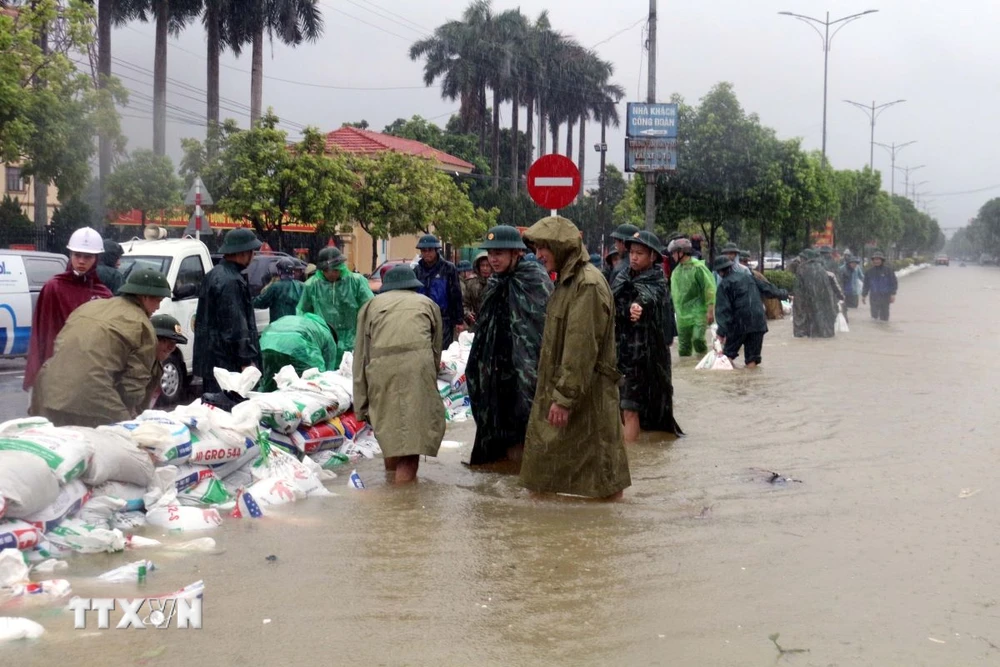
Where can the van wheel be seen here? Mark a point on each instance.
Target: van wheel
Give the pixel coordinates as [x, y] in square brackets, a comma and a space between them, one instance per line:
[174, 379]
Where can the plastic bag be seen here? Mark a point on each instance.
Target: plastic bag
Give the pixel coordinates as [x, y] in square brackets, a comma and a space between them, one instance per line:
[279, 411]
[166, 439]
[842, 324]
[13, 569]
[707, 361]
[12, 629]
[241, 383]
[15, 426]
[722, 363]
[65, 451]
[27, 484]
[246, 506]
[48, 591]
[209, 491]
[15, 534]
[70, 499]
[168, 513]
[116, 458]
[128, 573]
[82, 537]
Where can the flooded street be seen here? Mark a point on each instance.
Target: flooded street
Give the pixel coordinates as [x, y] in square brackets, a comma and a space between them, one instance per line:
[884, 554]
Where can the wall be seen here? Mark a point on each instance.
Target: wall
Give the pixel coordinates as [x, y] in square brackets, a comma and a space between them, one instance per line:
[27, 199]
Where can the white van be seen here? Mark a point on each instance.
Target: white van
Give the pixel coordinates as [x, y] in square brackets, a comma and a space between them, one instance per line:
[22, 275]
[185, 262]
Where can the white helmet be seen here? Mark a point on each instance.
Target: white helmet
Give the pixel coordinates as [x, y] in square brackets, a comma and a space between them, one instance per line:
[86, 240]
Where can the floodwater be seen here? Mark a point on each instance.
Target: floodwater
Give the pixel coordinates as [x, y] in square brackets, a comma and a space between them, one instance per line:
[886, 552]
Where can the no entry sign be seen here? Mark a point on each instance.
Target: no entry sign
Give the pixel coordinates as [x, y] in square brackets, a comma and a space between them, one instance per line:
[553, 181]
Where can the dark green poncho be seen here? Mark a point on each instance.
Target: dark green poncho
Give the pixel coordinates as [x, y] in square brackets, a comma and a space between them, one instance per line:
[644, 348]
[503, 364]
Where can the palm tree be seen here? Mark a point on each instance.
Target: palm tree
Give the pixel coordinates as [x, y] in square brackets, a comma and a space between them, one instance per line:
[221, 31]
[514, 61]
[291, 21]
[170, 16]
[599, 100]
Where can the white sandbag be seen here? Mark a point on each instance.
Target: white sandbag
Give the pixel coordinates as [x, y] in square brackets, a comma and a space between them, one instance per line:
[98, 511]
[27, 484]
[278, 411]
[168, 513]
[49, 590]
[333, 389]
[238, 479]
[249, 455]
[722, 363]
[168, 440]
[49, 566]
[16, 534]
[786, 307]
[116, 458]
[189, 475]
[13, 569]
[130, 494]
[274, 491]
[209, 491]
[347, 365]
[233, 428]
[128, 521]
[842, 324]
[275, 463]
[12, 629]
[15, 426]
[706, 362]
[82, 537]
[313, 407]
[241, 383]
[65, 451]
[70, 499]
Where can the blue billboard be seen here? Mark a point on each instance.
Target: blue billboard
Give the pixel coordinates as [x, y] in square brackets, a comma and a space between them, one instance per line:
[650, 155]
[651, 120]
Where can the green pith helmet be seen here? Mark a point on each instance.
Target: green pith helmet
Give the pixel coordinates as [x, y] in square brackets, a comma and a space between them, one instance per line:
[329, 258]
[647, 239]
[851, 259]
[400, 277]
[595, 259]
[503, 237]
[730, 247]
[168, 327]
[878, 255]
[809, 253]
[239, 240]
[464, 265]
[428, 241]
[146, 282]
[825, 250]
[624, 232]
[721, 262]
[744, 254]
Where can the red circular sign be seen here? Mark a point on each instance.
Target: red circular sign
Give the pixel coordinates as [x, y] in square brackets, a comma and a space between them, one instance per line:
[553, 181]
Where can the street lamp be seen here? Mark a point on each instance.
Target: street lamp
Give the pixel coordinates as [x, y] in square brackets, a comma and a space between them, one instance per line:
[827, 41]
[873, 113]
[893, 149]
[906, 175]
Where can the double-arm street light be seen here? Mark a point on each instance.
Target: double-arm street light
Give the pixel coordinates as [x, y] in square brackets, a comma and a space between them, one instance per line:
[906, 176]
[827, 41]
[893, 149]
[873, 112]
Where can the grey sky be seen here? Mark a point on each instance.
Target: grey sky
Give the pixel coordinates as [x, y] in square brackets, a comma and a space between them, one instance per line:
[939, 58]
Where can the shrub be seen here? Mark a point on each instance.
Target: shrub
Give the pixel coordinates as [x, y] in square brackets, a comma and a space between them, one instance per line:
[781, 279]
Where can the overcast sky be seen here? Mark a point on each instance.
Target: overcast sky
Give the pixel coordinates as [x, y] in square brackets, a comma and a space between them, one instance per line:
[942, 60]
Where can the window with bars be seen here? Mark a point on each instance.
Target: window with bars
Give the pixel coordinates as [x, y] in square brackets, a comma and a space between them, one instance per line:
[15, 181]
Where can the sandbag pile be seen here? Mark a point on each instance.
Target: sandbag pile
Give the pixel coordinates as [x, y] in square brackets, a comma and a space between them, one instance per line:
[451, 379]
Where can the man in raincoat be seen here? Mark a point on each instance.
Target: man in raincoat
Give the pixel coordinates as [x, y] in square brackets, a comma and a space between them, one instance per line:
[814, 314]
[107, 266]
[739, 312]
[621, 234]
[881, 284]
[502, 371]
[829, 263]
[610, 261]
[692, 288]
[396, 359]
[852, 278]
[731, 252]
[474, 287]
[102, 369]
[168, 336]
[574, 443]
[225, 327]
[336, 294]
[302, 342]
[281, 296]
[440, 284]
[644, 324]
[63, 294]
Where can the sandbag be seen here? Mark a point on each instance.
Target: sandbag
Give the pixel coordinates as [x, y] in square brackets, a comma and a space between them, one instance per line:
[208, 449]
[131, 494]
[841, 326]
[65, 451]
[274, 491]
[168, 513]
[69, 501]
[313, 407]
[27, 484]
[15, 534]
[168, 440]
[15, 426]
[279, 411]
[12, 629]
[276, 463]
[79, 536]
[352, 425]
[209, 491]
[189, 475]
[249, 455]
[116, 458]
[242, 383]
[322, 436]
[99, 510]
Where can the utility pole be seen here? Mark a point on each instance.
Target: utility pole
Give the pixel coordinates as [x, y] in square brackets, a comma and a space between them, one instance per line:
[651, 98]
[873, 113]
[906, 175]
[893, 149]
[602, 148]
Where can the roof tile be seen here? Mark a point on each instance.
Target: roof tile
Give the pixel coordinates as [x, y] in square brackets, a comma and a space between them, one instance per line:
[355, 140]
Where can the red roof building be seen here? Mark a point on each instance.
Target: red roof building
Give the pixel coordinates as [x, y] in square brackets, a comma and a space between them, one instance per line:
[354, 140]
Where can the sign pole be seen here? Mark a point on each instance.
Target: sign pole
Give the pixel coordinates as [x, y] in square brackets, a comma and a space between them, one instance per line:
[197, 208]
[651, 98]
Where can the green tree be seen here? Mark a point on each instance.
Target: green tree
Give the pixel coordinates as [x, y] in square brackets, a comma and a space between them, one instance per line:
[146, 182]
[70, 216]
[15, 227]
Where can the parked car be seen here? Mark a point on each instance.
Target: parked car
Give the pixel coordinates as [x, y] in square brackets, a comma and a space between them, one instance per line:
[22, 275]
[185, 263]
[941, 260]
[772, 262]
[375, 277]
[261, 268]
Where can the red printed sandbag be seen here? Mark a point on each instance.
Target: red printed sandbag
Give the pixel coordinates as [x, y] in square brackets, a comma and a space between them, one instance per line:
[352, 425]
[326, 435]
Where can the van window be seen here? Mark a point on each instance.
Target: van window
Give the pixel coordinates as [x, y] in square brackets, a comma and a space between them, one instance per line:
[190, 272]
[154, 262]
[40, 269]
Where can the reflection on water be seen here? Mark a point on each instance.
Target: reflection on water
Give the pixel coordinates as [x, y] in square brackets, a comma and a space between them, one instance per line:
[873, 559]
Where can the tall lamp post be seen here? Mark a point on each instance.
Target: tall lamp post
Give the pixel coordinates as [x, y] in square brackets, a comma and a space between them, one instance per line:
[906, 177]
[873, 112]
[827, 41]
[893, 149]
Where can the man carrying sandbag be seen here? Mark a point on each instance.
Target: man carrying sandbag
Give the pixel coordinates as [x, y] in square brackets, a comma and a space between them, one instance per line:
[397, 355]
[104, 358]
[302, 342]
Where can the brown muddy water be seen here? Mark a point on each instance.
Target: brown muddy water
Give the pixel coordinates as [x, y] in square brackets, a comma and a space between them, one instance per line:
[886, 552]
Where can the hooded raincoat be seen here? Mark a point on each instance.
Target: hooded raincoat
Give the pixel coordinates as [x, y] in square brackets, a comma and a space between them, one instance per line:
[396, 359]
[442, 285]
[281, 298]
[577, 370]
[644, 347]
[225, 327]
[692, 288]
[107, 270]
[303, 342]
[337, 303]
[502, 372]
[59, 297]
[102, 369]
[814, 313]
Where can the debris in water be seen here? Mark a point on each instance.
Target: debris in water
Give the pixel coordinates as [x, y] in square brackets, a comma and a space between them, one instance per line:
[937, 641]
[271, 559]
[783, 651]
[968, 493]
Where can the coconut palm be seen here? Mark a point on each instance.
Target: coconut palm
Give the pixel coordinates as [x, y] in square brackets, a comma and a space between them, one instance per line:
[222, 22]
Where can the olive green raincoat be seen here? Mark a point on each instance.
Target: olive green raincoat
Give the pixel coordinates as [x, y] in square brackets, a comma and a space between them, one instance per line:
[337, 303]
[396, 359]
[577, 369]
[102, 368]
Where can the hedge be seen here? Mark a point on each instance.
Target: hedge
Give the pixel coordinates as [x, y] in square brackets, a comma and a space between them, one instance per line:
[781, 279]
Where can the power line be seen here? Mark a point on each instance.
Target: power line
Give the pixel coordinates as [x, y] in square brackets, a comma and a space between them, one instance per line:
[963, 192]
[605, 41]
[419, 31]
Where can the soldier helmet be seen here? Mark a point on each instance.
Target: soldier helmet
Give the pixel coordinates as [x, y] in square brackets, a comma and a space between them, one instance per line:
[878, 254]
[146, 282]
[646, 239]
[168, 327]
[428, 241]
[730, 248]
[238, 241]
[400, 278]
[722, 262]
[624, 232]
[329, 258]
[464, 265]
[503, 237]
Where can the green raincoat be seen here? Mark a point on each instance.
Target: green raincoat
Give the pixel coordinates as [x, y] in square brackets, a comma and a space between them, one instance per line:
[304, 342]
[337, 303]
[280, 297]
[577, 370]
[396, 363]
[692, 288]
